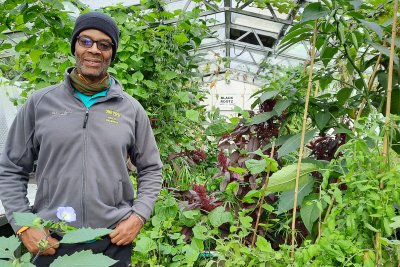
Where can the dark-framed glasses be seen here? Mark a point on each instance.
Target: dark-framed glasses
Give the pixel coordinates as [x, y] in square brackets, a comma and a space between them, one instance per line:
[87, 42]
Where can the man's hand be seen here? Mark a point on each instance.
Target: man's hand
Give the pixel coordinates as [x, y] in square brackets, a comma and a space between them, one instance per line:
[126, 231]
[31, 237]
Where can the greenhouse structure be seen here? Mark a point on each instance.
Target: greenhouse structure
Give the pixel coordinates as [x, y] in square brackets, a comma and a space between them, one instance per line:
[277, 123]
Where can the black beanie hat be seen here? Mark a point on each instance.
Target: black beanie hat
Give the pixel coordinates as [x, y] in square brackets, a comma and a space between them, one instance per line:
[98, 21]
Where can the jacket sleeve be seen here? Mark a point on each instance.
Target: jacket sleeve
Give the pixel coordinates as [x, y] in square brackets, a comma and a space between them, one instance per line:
[16, 162]
[146, 157]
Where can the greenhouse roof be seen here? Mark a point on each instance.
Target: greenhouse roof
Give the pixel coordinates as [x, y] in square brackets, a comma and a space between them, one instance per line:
[244, 36]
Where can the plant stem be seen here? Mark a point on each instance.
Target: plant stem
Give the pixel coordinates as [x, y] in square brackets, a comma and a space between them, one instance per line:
[261, 200]
[296, 190]
[370, 83]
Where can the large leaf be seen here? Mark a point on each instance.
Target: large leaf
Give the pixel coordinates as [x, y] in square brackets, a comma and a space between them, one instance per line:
[25, 219]
[263, 245]
[384, 51]
[281, 105]
[8, 246]
[343, 95]
[286, 199]
[219, 216]
[314, 11]
[256, 166]
[322, 118]
[192, 115]
[144, 245]
[84, 235]
[373, 26]
[260, 118]
[285, 178]
[7, 264]
[293, 143]
[83, 258]
[268, 95]
[309, 211]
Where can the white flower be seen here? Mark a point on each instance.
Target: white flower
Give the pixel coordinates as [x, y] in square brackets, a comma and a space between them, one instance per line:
[66, 214]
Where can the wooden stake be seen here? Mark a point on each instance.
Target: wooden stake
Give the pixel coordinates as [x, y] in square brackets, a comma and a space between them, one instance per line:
[261, 200]
[303, 131]
[386, 142]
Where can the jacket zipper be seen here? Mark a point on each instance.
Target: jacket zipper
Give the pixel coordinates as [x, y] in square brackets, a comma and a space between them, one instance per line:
[84, 173]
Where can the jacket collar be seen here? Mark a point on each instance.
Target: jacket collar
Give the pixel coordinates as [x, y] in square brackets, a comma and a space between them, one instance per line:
[116, 89]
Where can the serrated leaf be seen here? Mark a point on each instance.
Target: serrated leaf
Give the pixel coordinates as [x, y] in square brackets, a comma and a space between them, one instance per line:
[84, 235]
[83, 258]
[198, 232]
[256, 166]
[263, 244]
[181, 38]
[144, 245]
[286, 199]
[7, 246]
[219, 216]
[192, 115]
[293, 143]
[169, 75]
[285, 178]
[137, 76]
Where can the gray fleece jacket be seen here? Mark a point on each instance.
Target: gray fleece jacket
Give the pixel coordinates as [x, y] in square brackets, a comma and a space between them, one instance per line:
[81, 157]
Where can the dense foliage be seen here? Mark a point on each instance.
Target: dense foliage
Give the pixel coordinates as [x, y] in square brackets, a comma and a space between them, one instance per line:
[230, 189]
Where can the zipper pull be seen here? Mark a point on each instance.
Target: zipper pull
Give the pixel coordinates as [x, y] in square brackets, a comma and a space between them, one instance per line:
[86, 119]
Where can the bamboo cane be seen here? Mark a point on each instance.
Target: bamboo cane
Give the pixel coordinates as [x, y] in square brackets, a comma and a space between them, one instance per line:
[302, 138]
[387, 115]
[261, 200]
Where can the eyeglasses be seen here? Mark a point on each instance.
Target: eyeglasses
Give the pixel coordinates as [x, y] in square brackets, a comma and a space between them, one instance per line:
[87, 42]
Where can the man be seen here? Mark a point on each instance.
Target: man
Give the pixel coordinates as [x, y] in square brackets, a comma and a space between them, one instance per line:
[80, 133]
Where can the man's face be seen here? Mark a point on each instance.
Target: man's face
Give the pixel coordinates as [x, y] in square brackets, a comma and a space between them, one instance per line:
[91, 62]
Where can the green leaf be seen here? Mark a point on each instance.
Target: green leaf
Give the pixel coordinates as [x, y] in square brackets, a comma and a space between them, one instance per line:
[84, 235]
[293, 143]
[384, 51]
[322, 118]
[268, 95]
[314, 11]
[150, 84]
[191, 254]
[343, 95]
[192, 115]
[137, 76]
[198, 232]
[328, 54]
[309, 211]
[248, 198]
[26, 219]
[219, 128]
[263, 244]
[396, 222]
[373, 26]
[281, 105]
[237, 170]
[232, 188]
[256, 166]
[83, 258]
[181, 38]
[4, 263]
[35, 55]
[145, 245]
[260, 118]
[169, 75]
[219, 216]
[286, 199]
[285, 178]
[7, 246]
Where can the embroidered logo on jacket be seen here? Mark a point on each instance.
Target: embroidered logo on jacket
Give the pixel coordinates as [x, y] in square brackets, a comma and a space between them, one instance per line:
[112, 116]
